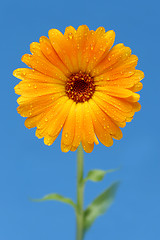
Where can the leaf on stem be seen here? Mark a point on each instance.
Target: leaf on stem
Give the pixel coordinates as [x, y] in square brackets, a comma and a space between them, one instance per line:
[97, 175]
[56, 197]
[99, 206]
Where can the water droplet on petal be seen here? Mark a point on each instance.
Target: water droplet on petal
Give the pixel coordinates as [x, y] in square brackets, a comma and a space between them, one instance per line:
[70, 35]
[91, 47]
[66, 135]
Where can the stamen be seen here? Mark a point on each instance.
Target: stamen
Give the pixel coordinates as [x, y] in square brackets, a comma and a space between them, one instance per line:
[80, 87]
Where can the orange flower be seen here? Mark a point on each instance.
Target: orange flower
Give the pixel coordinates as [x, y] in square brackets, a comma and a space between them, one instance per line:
[79, 84]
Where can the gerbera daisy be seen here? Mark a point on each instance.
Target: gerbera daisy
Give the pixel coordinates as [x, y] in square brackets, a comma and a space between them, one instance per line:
[79, 84]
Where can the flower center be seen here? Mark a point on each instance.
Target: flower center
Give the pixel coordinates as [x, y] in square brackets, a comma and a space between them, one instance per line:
[80, 87]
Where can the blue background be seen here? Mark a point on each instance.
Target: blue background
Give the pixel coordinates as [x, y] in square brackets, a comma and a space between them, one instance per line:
[28, 168]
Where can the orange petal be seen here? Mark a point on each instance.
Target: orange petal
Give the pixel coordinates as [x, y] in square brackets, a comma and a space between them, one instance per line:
[58, 121]
[69, 127]
[128, 64]
[50, 119]
[119, 103]
[51, 55]
[32, 122]
[102, 134]
[133, 98]
[110, 110]
[136, 106]
[35, 89]
[137, 87]
[48, 140]
[71, 36]
[117, 55]
[78, 125]
[88, 148]
[35, 49]
[42, 65]
[87, 50]
[105, 121]
[126, 82]
[81, 39]
[103, 43]
[115, 91]
[33, 106]
[33, 75]
[88, 130]
[62, 47]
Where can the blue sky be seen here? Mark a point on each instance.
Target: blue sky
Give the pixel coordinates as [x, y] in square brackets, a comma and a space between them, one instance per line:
[28, 168]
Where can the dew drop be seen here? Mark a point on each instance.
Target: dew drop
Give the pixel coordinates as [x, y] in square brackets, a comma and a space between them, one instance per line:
[70, 35]
[66, 135]
[91, 47]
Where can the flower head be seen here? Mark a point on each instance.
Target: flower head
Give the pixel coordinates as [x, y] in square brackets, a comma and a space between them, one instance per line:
[79, 83]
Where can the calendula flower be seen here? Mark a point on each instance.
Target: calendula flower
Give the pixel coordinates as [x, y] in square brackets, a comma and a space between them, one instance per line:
[79, 84]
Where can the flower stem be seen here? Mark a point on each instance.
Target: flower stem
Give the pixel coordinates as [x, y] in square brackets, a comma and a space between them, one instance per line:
[80, 193]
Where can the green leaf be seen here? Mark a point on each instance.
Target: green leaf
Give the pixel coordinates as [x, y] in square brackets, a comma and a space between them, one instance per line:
[99, 205]
[56, 197]
[97, 175]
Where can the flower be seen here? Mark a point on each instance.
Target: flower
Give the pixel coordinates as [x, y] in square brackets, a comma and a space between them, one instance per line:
[79, 83]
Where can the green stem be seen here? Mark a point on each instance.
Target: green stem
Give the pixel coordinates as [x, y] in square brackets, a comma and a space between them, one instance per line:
[80, 193]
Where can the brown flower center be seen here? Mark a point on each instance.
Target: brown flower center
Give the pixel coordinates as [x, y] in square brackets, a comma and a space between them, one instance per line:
[80, 87]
